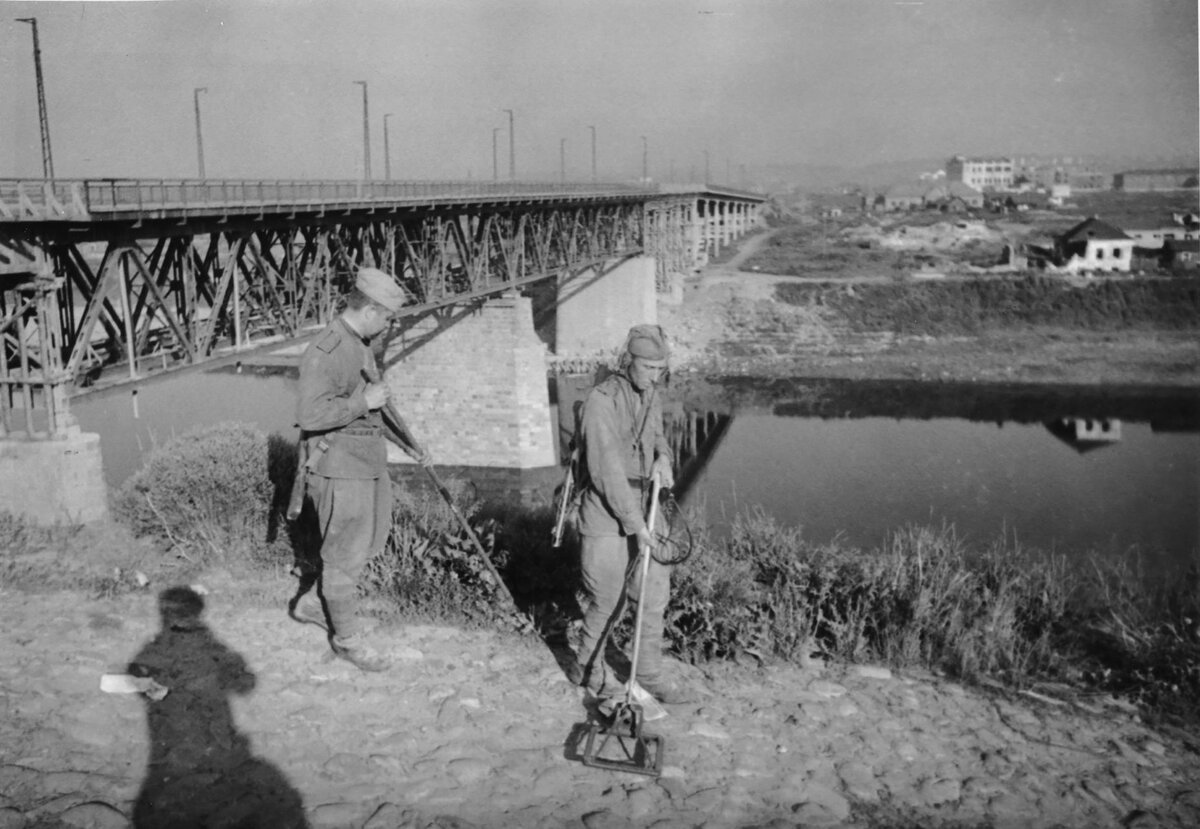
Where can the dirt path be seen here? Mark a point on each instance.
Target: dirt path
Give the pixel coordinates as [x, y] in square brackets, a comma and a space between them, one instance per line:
[260, 728]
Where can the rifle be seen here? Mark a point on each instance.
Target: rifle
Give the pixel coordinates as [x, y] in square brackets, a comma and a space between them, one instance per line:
[564, 505]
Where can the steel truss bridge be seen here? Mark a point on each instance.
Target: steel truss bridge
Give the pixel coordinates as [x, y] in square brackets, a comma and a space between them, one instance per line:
[148, 275]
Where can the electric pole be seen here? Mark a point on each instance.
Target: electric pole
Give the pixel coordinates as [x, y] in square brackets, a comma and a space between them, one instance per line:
[199, 133]
[387, 155]
[47, 155]
[512, 152]
[366, 135]
[593, 129]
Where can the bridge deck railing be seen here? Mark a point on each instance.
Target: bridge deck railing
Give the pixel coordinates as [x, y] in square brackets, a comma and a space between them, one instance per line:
[88, 199]
[84, 199]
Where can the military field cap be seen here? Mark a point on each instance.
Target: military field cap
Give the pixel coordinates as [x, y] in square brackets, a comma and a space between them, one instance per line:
[381, 288]
[648, 342]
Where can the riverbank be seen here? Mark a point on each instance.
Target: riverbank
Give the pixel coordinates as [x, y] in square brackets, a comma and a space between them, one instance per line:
[733, 322]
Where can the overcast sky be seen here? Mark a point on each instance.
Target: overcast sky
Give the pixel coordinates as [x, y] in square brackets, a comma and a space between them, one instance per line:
[753, 82]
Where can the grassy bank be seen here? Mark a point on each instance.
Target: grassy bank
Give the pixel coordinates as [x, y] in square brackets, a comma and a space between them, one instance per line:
[212, 501]
[974, 306]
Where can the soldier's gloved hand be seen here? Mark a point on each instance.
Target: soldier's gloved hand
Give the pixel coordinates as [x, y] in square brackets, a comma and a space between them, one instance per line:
[661, 468]
[645, 539]
[376, 395]
[424, 458]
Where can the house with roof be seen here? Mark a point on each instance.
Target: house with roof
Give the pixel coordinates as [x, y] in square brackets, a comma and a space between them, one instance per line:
[1181, 254]
[954, 196]
[1093, 245]
[1151, 231]
[905, 196]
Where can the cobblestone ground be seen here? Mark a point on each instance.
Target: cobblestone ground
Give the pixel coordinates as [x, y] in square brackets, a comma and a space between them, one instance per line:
[260, 728]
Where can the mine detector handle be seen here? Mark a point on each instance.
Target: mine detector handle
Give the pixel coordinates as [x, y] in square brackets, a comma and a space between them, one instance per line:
[396, 425]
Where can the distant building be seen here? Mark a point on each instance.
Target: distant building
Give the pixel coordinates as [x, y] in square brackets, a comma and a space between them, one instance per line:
[834, 205]
[1094, 245]
[953, 196]
[905, 196]
[981, 173]
[1025, 201]
[1182, 255]
[1179, 178]
[1152, 231]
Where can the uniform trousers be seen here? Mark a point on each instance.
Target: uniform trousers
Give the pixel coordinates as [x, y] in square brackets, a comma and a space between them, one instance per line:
[355, 516]
[610, 589]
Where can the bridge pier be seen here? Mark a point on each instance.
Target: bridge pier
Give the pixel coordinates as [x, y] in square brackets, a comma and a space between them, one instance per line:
[51, 481]
[472, 386]
[597, 306]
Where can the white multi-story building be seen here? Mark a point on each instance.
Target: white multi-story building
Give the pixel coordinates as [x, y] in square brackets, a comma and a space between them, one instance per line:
[981, 173]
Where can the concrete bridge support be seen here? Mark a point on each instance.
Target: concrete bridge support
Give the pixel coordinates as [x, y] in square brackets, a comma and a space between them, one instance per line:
[597, 307]
[472, 386]
[53, 481]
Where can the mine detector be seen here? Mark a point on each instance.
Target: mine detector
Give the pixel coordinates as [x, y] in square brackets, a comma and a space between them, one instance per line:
[621, 743]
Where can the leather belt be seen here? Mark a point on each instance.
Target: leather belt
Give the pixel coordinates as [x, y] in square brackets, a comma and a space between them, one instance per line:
[362, 431]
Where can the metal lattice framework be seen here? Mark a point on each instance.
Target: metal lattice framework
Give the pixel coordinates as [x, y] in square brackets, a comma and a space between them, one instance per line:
[151, 275]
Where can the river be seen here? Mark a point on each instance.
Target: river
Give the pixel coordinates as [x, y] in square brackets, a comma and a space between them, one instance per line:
[848, 460]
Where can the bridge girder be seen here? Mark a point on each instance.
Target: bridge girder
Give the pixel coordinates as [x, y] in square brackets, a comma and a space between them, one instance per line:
[159, 294]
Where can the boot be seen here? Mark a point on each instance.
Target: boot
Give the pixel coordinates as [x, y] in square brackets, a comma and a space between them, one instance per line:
[355, 650]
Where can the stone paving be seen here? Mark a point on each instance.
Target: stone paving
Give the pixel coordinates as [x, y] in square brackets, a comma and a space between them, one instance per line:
[260, 728]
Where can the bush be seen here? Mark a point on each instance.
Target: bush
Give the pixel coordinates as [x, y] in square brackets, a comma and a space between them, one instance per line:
[206, 492]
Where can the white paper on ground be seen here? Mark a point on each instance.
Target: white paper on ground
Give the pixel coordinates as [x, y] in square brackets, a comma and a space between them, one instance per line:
[127, 684]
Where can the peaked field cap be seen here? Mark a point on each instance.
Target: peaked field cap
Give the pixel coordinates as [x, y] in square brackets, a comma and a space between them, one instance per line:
[648, 342]
[381, 288]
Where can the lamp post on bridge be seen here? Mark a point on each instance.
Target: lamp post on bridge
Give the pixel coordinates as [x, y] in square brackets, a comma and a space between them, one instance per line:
[43, 119]
[645, 178]
[199, 133]
[562, 161]
[593, 129]
[495, 166]
[706, 174]
[512, 152]
[366, 135]
[387, 155]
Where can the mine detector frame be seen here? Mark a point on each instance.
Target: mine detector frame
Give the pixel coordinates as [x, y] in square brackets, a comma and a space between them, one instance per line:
[637, 751]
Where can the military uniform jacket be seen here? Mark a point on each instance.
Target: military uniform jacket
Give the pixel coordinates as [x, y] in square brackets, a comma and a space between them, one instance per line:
[621, 434]
[332, 407]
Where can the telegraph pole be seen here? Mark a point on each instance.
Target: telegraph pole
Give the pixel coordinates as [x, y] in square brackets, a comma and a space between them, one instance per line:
[512, 153]
[387, 155]
[47, 155]
[593, 129]
[366, 135]
[495, 166]
[199, 134]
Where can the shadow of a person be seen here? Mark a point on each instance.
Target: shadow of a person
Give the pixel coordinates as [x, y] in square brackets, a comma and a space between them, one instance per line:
[201, 772]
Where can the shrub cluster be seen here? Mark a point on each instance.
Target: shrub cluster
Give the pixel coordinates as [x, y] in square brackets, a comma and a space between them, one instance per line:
[208, 492]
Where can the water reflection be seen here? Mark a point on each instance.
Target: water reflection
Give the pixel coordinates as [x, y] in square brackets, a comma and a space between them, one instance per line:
[858, 460]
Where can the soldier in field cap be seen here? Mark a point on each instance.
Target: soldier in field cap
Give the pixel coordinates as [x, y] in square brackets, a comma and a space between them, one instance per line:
[344, 456]
[624, 449]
